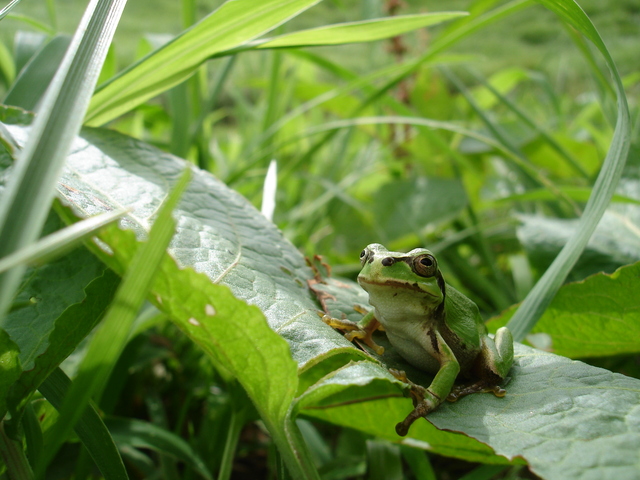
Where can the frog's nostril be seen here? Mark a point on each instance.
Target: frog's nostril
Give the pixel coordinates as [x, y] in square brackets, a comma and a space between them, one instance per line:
[387, 262]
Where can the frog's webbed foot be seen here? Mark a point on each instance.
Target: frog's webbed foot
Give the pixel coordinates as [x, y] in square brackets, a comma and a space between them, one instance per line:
[356, 331]
[482, 386]
[424, 401]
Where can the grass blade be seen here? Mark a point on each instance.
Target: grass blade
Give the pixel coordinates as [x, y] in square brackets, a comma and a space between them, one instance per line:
[543, 292]
[7, 8]
[90, 428]
[364, 31]
[27, 198]
[231, 25]
[111, 338]
[57, 244]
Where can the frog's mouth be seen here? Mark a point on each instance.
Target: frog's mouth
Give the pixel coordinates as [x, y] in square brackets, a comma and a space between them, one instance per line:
[396, 284]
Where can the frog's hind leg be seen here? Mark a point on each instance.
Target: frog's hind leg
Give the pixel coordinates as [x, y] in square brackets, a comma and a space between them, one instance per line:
[492, 366]
[501, 351]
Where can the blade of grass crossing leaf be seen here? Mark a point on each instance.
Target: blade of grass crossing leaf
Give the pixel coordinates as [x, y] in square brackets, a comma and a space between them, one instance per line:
[111, 337]
[57, 244]
[233, 24]
[27, 198]
[90, 428]
[546, 288]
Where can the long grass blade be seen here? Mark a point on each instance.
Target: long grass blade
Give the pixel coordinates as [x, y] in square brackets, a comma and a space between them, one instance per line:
[7, 8]
[57, 244]
[543, 292]
[111, 337]
[90, 428]
[364, 31]
[231, 25]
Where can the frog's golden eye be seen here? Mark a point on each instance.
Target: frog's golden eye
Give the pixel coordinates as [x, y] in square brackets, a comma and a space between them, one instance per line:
[425, 265]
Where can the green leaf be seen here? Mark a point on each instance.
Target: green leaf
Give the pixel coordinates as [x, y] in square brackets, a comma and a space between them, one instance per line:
[9, 368]
[552, 404]
[138, 434]
[233, 24]
[57, 306]
[564, 417]
[417, 202]
[615, 241]
[15, 116]
[219, 233]
[36, 76]
[593, 317]
[356, 32]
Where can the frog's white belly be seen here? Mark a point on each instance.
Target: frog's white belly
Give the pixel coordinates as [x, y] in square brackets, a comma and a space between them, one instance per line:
[407, 331]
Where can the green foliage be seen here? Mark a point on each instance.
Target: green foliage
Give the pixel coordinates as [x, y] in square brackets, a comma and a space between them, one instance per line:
[575, 323]
[501, 175]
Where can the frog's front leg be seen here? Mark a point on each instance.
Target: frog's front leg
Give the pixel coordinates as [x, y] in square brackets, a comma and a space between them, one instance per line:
[363, 330]
[426, 400]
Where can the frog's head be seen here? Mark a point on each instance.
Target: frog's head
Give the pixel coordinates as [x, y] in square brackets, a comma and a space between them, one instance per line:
[416, 270]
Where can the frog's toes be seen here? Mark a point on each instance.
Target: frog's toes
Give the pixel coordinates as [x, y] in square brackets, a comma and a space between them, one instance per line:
[342, 324]
[428, 403]
[459, 391]
[400, 375]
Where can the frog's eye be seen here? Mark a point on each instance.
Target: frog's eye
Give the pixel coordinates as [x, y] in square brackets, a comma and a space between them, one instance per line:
[425, 265]
[364, 256]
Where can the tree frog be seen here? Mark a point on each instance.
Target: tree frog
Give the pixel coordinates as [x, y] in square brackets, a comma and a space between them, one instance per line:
[433, 326]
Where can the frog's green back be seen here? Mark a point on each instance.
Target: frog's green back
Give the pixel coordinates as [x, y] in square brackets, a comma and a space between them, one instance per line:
[462, 316]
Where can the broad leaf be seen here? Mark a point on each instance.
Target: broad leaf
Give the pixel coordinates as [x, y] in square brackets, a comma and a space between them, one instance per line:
[591, 318]
[417, 202]
[57, 306]
[564, 417]
[615, 242]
